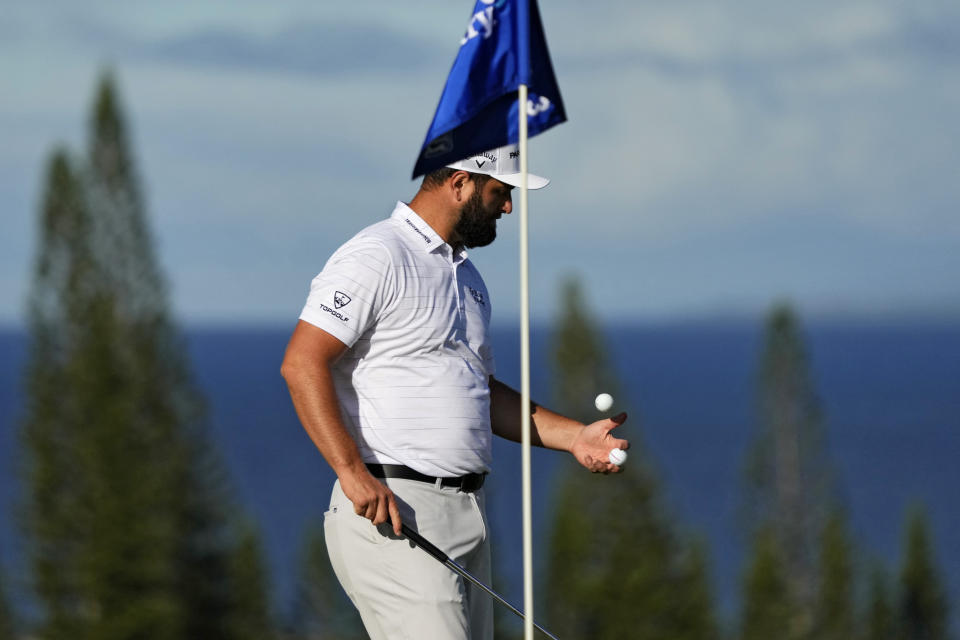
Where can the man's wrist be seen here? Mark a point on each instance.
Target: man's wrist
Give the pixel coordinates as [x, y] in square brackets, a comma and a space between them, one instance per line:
[575, 432]
[350, 467]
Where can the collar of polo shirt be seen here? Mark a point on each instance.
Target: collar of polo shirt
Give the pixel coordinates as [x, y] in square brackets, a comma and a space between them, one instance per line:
[424, 233]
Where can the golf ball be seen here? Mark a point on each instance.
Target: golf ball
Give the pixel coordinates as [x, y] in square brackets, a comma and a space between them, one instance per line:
[617, 456]
[603, 402]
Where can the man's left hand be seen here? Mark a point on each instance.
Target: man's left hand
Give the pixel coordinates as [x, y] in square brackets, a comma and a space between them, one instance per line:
[592, 445]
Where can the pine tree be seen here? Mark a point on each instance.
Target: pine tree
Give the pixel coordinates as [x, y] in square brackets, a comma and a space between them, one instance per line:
[834, 616]
[789, 481]
[579, 358]
[62, 289]
[923, 611]
[616, 567]
[128, 511]
[7, 621]
[220, 584]
[768, 609]
[251, 618]
[879, 623]
[506, 624]
[695, 617]
[322, 610]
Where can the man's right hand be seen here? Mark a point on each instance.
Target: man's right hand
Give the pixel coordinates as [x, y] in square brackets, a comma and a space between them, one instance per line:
[371, 498]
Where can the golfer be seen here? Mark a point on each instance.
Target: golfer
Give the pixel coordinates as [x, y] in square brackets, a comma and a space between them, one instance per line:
[392, 374]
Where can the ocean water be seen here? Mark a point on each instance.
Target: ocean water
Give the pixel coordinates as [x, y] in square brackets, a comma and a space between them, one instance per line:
[890, 395]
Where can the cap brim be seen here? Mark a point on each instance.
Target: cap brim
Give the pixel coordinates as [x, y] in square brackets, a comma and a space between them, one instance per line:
[513, 179]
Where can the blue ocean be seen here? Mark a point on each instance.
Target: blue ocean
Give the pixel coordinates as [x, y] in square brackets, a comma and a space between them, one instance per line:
[890, 395]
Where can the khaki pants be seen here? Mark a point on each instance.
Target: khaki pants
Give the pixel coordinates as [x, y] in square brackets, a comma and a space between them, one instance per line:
[401, 592]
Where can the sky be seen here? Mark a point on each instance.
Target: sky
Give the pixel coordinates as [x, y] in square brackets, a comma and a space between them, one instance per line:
[718, 156]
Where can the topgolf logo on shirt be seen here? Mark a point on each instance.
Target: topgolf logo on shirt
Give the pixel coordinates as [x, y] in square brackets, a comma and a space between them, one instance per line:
[336, 314]
[482, 22]
[340, 299]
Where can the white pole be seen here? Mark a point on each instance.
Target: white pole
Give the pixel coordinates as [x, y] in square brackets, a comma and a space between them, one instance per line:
[525, 374]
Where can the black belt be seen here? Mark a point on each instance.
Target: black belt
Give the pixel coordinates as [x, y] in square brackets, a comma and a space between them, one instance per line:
[467, 483]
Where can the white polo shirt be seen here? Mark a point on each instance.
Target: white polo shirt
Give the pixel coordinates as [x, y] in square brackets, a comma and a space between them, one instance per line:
[413, 386]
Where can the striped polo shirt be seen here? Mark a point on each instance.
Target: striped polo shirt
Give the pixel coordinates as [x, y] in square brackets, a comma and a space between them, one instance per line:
[413, 385]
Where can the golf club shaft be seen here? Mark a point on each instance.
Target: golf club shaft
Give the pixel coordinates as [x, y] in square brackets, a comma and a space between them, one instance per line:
[443, 558]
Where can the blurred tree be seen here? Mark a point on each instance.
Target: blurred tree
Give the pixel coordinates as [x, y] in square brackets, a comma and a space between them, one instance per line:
[251, 619]
[879, 623]
[322, 611]
[789, 492]
[63, 283]
[835, 612]
[128, 514]
[923, 610]
[7, 622]
[506, 624]
[615, 568]
[579, 358]
[695, 616]
[767, 609]
[221, 576]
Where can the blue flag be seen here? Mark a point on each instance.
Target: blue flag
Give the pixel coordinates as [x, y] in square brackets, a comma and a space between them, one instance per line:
[478, 107]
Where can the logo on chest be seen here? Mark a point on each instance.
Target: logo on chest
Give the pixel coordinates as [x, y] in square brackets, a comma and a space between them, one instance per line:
[477, 296]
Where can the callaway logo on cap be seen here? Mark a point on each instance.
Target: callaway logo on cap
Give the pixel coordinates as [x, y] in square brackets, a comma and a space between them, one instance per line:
[503, 163]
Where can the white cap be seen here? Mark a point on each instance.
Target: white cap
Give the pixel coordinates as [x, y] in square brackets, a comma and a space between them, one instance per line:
[502, 163]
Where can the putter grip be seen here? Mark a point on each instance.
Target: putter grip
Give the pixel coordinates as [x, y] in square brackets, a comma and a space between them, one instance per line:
[421, 542]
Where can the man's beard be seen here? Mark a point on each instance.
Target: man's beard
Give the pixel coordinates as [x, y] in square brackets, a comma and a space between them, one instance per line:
[477, 226]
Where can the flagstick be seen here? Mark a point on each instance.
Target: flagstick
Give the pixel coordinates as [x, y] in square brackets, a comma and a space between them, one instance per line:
[525, 374]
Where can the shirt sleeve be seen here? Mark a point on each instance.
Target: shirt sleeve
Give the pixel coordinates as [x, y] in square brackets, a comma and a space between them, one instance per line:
[348, 295]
